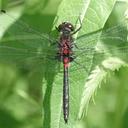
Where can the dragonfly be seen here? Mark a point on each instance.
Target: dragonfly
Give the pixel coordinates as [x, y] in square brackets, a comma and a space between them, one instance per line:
[65, 55]
[32, 45]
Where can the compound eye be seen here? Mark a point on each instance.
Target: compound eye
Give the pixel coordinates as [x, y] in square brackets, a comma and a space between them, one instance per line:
[71, 27]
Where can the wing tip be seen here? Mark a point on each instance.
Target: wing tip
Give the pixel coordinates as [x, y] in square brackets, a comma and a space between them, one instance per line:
[2, 11]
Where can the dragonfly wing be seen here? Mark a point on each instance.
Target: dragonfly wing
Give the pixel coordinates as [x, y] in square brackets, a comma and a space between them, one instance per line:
[21, 43]
[32, 52]
[25, 57]
[93, 48]
[117, 32]
[21, 30]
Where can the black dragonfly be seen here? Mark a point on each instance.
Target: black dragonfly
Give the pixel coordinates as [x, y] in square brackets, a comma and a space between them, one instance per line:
[27, 44]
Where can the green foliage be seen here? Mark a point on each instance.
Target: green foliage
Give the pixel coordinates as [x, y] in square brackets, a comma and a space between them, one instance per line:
[21, 95]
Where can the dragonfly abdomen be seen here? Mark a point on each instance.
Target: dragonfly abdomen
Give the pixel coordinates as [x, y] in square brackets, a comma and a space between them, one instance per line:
[66, 95]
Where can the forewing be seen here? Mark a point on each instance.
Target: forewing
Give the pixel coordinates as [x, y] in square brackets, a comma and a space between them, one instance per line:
[102, 44]
[23, 44]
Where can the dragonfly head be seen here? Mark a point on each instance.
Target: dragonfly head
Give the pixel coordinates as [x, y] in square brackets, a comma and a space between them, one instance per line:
[65, 27]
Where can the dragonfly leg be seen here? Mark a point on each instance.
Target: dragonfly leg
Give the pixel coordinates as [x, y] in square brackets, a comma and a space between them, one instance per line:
[72, 58]
[78, 29]
[74, 44]
[57, 28]
[78, 47]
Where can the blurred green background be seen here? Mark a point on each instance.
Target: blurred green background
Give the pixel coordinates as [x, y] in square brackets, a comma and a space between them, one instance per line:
[21, 91]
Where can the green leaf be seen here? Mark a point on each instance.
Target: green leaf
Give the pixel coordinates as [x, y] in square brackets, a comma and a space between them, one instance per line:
[93, 16]
[94, 68]
[116, 58]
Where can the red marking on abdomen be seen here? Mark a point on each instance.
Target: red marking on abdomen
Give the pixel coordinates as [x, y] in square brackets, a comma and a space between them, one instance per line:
[66, 65]
[66, 51]
[66, 62]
